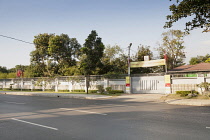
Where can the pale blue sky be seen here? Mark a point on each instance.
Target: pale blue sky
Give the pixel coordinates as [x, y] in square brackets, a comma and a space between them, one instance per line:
[116, 21]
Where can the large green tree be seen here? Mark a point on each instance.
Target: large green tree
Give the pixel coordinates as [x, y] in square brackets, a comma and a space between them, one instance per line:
[197, 10]
[92, 52]
[40, 56]
[172, 45]
[63, 51]
[53, 54]
[114, 61]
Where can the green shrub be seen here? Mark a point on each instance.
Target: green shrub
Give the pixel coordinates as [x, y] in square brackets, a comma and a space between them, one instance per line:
[185, 93]
[78, 90]
[93, 91]
[100, 88]
[115, 91]
[63, 90]
[108, 89]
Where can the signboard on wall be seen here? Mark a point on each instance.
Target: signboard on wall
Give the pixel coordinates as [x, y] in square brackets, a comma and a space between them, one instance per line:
[167, 84]
[127, 82]
[150, 63]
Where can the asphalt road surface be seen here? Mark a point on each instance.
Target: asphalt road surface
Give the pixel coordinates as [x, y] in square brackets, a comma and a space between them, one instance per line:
[48, 118]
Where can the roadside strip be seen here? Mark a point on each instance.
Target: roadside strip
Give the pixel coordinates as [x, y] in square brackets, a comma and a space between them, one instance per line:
[83, 111]
[34, 124]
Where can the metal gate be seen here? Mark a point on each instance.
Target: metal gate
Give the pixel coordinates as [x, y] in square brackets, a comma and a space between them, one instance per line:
[148, 84]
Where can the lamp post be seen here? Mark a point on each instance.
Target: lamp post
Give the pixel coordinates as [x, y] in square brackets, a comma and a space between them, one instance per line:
[128, 79]
[129, 68]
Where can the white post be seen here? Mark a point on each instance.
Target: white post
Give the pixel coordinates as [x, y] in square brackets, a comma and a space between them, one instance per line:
[56, 84]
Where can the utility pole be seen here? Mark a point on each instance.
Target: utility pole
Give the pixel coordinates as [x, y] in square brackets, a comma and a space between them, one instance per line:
[129, 68]
[128, 79]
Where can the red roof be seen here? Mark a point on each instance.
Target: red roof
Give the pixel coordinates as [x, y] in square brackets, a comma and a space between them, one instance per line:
[192, 68]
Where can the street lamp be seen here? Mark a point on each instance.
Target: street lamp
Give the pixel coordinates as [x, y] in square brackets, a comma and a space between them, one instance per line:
[129, 69]
[128, 80]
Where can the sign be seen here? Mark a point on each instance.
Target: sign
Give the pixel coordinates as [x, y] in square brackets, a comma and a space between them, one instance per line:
[150, 63]
[127, 84]
[127, 81]
[167, 84]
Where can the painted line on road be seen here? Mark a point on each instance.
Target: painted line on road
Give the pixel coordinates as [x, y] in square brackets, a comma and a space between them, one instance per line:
[83, 111]
[35, 124]
[207, 127]
[14, 103]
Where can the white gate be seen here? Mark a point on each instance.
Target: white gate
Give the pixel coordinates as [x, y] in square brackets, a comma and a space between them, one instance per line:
[148, 84]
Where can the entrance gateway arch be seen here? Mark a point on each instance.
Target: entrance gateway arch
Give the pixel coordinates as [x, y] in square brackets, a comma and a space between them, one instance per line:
[149, 83]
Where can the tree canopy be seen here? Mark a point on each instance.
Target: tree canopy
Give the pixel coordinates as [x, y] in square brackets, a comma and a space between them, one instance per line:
[172, 45]
[198, 10]
[92, 52]
[199, 59]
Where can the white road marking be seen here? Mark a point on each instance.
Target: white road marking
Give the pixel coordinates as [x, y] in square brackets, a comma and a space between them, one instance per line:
[83, 111]
[35, 124]
[207, 127]
[15, 103]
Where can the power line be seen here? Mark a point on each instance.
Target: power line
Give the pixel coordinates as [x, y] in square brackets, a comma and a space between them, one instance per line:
[17, 39]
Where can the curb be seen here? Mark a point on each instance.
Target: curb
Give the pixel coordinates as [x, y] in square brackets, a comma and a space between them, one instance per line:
[56, 95]
[189, 102]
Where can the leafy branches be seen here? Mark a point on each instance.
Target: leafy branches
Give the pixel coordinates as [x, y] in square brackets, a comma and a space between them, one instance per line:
[198, 9]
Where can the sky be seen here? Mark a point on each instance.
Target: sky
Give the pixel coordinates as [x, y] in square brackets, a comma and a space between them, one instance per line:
[117, 22]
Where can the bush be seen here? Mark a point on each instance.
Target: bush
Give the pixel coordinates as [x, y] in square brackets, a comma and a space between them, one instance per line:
[62, 90]
[78, 90]
[100, 88]
[93, 91]
[186, 93]
[115, 91]
[108, 90]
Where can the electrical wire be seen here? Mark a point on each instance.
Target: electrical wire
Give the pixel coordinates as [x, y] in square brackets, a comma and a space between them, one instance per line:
[16, 39]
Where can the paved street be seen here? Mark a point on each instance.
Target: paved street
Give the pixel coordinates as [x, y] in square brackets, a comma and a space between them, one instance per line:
[50, 118]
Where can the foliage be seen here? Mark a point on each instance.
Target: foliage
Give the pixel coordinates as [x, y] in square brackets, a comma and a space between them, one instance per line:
[78, 90]
[115, 91]
[100, 88]
[198, 10]
[3, 69]
[204, 85]
[143, 50]
[92, 52]
[3, 75]
[108, 89]
[54, 54]
[11, 75]
[114, 60]
[172, 45]
[186, 93]
[199, 59]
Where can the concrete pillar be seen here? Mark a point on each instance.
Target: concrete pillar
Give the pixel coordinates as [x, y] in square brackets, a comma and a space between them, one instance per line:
[56, 84]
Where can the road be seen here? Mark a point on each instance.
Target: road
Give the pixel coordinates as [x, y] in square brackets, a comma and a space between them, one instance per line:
[49, 118]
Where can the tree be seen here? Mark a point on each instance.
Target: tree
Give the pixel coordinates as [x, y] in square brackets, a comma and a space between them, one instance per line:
[40, 56]
[63, 51]
[172, 45]
[199, 59]
[54, 54]
[114, 61]
[3, 69]
[199, 10]
[143, 50]
[92, 52]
